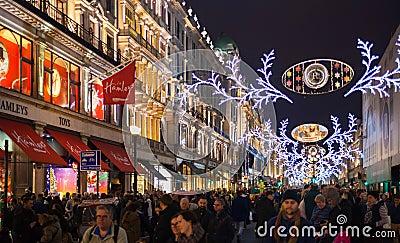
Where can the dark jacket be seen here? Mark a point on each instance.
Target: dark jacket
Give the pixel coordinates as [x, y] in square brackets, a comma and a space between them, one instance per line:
[21, 226]
[343, 208]
[394, 213]
[240, 208]
[264, 210]
[319, 215]
[162, 231]
[131, 223]
[301, 239]
[206, 219]
[197, 236]
[52, 232]
[309, 201]
[223, 229]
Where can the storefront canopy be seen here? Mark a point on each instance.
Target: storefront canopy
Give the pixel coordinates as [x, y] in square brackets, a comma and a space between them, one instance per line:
[2, 154]
[118, 156]
[73, 145]
[153, 171]
[30, 142]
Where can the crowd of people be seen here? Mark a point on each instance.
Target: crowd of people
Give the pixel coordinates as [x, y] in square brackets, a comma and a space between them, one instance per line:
[216, 216]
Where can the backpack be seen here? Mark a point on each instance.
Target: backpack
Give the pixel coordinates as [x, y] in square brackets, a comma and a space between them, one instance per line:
[116, 230]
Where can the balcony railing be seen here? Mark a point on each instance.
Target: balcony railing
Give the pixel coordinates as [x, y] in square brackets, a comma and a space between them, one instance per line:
[53, 14]
[138, 37]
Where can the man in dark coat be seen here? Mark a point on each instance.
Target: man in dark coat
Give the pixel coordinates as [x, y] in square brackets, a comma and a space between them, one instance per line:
[265, 208]
[205, 217]
[240, 211]
[162, 231]
[25, 225]
[223, 229]
[309, 200]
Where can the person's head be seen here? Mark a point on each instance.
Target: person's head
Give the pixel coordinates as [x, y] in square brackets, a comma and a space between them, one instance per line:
[165, 201]
[320, 201]
[202, 202]
[290, 203]
[227, 198]
[103, 217]
[384, 197]
[269, 195]
[174, 225]
[324, 188]
[373, 197]
[185, 222]
[332, 196]
[27, 203]
[184, 204]
[364, 196]
[396, 199]
[218, 205]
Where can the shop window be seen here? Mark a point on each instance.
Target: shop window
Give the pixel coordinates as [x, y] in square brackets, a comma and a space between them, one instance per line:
[61, 82]
[15, 62]
[92, 182]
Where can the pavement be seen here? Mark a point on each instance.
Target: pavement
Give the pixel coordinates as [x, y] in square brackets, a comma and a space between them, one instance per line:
[249, 235]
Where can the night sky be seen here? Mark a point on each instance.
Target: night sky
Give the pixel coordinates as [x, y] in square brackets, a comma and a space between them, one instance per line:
[299, 31]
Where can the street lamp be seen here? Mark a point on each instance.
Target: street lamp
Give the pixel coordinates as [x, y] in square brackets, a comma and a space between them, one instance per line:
[135, 131]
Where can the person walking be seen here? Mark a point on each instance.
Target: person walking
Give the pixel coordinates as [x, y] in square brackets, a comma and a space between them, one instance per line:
[52, 232]
[224, 232]
[394, 213]
[240, 210]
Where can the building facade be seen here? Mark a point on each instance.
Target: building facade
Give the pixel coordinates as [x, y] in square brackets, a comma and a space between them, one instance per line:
[381, 130]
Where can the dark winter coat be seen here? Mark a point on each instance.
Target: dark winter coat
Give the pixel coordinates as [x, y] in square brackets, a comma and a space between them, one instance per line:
[197, 236]
[162, 231]
[52, 232]
[240, 208]
[223, 229]
[309, 201]
[206, 219]
[264, 210]
[131, 224]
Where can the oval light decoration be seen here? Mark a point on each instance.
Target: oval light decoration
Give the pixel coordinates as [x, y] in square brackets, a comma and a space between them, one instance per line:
[309, 133]
[317, 76]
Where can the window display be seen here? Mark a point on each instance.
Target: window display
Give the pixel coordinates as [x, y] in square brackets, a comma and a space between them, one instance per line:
[11, 62]
[61, 82]
[92, 182]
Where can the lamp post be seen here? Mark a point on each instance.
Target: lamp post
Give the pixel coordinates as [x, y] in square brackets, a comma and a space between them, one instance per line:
[135, 131]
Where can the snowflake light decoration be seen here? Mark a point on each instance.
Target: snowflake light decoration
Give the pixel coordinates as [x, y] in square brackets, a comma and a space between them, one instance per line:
[372, 79]
[298, 168]
[263, 94]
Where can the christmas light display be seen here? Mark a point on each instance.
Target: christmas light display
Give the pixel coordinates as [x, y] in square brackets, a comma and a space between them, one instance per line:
[263, 94]
[372, 79]
[316, 162]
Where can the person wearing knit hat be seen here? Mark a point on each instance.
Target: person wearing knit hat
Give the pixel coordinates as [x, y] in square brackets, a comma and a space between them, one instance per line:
[287, 218]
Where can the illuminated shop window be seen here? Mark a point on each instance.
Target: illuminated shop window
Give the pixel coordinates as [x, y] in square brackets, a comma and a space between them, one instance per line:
[61, 82]
[15, 62]
[92, 182]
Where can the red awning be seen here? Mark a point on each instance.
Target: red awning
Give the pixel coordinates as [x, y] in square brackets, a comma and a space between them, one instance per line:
[73, 145]
[2, 154]
[30, 142]
[118, 156]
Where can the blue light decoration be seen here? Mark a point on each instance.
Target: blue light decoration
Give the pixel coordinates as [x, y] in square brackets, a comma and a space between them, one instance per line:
[263, 94]
[298, 167]
[372, 79]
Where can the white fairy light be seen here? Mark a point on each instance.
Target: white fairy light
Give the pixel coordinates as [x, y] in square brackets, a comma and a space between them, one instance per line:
[372, 79]
[263, 94]
[297, 166]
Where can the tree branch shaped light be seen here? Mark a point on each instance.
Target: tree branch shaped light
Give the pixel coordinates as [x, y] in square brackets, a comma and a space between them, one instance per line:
[372, 79]
[263, 94]
[297, 166]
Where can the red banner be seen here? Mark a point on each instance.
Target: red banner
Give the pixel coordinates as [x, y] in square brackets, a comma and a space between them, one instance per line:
[116, 87]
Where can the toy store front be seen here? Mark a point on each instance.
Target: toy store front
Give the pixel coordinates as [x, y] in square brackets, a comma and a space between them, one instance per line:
[74, 145]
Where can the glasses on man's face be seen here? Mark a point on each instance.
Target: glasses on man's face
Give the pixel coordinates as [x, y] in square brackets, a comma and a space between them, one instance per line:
[174, 225]
[101, 217]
